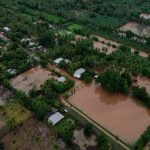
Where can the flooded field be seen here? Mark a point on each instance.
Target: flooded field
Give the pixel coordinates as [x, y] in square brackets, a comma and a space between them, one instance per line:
[145, 15]
[137, 28]
[105, 40]
[141, 53]
[143, 82]
[104, 47]
[119, 114]
[33, 77]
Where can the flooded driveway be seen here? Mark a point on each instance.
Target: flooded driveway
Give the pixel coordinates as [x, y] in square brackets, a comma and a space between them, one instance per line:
[119, 114]
[33, 77]
[137, 28]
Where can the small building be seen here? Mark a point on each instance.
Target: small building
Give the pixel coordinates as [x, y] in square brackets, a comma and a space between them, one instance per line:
[96, 76]
[25, 40]
[7, 29]
[31, 44]
[11, 71]
[55, 118]
[58, 60]
[66, 60]
[79, 72]
[61, 79]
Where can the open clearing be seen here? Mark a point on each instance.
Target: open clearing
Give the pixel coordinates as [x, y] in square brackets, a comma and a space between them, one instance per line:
[31, 135]
[33, 77]
[120, 114]
[4, 95]
[136, 28]
[82, 141]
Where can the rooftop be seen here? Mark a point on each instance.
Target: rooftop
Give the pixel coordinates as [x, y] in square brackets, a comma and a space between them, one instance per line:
[61, 79]
[58, 60]
[55, 118]
[79, 72]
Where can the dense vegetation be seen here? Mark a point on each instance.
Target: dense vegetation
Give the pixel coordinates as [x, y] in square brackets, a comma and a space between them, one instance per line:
[142, 95]
[41, 101]
[81, 16]
[115, 81]
[46, 23]
[143, 140]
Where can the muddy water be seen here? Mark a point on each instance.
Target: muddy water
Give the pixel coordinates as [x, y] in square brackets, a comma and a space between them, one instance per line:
[105, 40]
[136, 28]
[104, 47]
[143, 82]
[33, 77]
[117, 113]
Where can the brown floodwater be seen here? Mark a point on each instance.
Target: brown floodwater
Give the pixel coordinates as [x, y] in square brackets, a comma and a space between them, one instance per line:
[141, 53]
[104, 47]
[143, 82]
[137, 28]
[33, 77]
[119, 114]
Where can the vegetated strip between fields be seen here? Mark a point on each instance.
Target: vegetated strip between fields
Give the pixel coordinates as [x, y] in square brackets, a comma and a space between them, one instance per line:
[98, 126]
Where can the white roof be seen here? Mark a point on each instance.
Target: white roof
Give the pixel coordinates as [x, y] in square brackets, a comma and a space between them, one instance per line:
[25, 40]
[96, 76]
[67, 61]
[31, 43]
[61, 79]
[7, 29]
[79, 72]
[55, 118]
[11, 71]
[58, 60]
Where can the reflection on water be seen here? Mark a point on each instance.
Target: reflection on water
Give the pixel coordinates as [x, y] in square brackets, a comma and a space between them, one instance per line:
[118, 113]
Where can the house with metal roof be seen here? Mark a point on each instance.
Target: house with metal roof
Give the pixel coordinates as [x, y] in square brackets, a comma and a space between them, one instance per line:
[79, 72]
[55, 118]
[61, 79]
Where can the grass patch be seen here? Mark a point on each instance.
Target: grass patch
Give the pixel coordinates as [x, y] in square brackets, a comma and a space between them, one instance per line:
[74, 27]
[65, 125]
[15, 114]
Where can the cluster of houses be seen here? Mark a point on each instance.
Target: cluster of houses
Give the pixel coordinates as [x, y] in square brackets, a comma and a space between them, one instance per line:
[32, 45]
[77, 73]
[3, 35]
